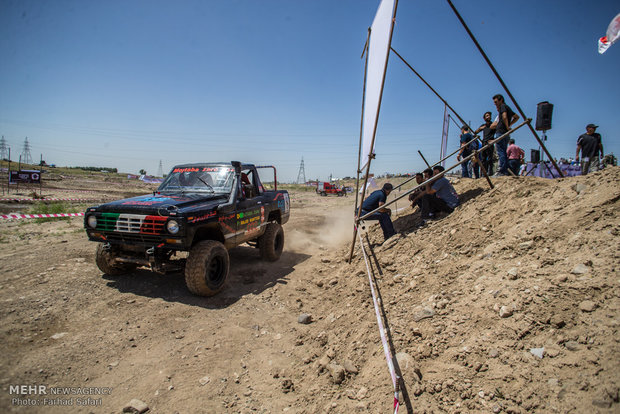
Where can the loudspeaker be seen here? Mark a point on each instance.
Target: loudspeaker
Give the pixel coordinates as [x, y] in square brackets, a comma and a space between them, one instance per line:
[535, 156]
[543, 116]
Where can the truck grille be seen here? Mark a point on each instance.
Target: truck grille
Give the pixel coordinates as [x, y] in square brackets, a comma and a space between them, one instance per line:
[107, 221]
[131, 223]
[153, 225]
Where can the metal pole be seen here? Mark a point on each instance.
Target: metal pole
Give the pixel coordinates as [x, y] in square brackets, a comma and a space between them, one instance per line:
[484, 170]
[514, 101]
[8, 182]
[542, 158]
[429, 86]
[491, 142]
[359, 150]
[446, 143]
[424, 159]
[444, 132]
[41, 177]
[455, 123]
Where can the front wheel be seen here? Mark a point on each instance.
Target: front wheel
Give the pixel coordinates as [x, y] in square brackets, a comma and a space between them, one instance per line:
[207, 267]
[271, 242]
[104, 258]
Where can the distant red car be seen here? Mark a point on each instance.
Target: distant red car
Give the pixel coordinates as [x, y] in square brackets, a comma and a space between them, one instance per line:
[325, 188]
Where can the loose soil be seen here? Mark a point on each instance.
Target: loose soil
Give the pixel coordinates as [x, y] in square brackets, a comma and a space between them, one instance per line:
[543, 254]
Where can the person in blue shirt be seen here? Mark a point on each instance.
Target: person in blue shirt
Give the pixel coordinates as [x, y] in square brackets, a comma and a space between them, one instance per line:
[440, 196]
[466, 150]
[376, 200]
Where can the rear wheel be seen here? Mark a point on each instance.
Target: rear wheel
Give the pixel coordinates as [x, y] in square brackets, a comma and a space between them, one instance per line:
[207, 267]
[323, 193]
[271, 242]
[105, 262]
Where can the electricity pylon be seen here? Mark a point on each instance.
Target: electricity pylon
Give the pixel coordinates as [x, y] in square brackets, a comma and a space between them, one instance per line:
[26, 157]
[301, 176]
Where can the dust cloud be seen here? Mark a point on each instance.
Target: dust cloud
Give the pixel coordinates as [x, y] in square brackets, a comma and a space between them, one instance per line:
[329, 231]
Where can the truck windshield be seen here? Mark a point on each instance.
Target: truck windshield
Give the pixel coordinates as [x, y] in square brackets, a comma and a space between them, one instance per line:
[198, 179]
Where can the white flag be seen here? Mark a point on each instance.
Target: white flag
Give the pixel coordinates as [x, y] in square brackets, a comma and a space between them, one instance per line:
[612, 35]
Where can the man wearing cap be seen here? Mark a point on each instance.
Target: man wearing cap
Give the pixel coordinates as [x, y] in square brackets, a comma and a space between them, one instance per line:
[589, 144]
[376, 200]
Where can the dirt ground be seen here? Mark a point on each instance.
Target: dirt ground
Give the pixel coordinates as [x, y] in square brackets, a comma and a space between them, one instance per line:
[508, 305]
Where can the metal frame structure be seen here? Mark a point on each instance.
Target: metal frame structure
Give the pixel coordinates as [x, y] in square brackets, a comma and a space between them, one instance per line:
[435, 177]
[474, 156]
[501, 81]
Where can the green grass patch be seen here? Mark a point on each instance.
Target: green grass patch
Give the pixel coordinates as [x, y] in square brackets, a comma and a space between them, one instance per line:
[297, 187]
[52, 208]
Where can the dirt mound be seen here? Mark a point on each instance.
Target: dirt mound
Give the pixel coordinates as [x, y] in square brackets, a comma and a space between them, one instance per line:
[510, 304]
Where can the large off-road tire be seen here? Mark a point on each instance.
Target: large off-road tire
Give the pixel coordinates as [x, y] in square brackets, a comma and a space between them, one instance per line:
[207, 267]
[340, 193]
[323, 193]
[104, 259]
[271, 242]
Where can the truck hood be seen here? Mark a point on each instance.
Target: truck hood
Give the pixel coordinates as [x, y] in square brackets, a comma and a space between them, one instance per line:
[160, 204]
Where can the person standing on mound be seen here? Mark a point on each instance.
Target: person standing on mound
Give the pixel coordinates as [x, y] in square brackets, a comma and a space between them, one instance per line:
[590, 146]
[506, 117]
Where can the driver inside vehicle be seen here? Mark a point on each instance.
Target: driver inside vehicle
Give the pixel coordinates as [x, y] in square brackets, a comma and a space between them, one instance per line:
[196, 179]
[246, 186]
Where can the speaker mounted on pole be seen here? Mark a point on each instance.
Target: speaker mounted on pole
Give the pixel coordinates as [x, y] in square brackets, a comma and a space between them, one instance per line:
[543, 116]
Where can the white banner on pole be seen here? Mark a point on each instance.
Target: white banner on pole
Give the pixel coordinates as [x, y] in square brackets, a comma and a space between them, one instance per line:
[378, 51]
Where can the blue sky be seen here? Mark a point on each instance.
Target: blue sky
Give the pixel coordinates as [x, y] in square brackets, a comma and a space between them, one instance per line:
[126, 84]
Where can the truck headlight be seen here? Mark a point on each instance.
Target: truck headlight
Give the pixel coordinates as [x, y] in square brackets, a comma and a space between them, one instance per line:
[92, 221]
[172, 226]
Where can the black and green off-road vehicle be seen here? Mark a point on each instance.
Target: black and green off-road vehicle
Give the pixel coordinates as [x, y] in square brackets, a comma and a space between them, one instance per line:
[204, 209]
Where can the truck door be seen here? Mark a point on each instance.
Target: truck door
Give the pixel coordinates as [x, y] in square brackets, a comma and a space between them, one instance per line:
[250, 207]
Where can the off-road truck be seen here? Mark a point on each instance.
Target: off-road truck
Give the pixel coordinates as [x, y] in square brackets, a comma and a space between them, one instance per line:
[203, 209]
